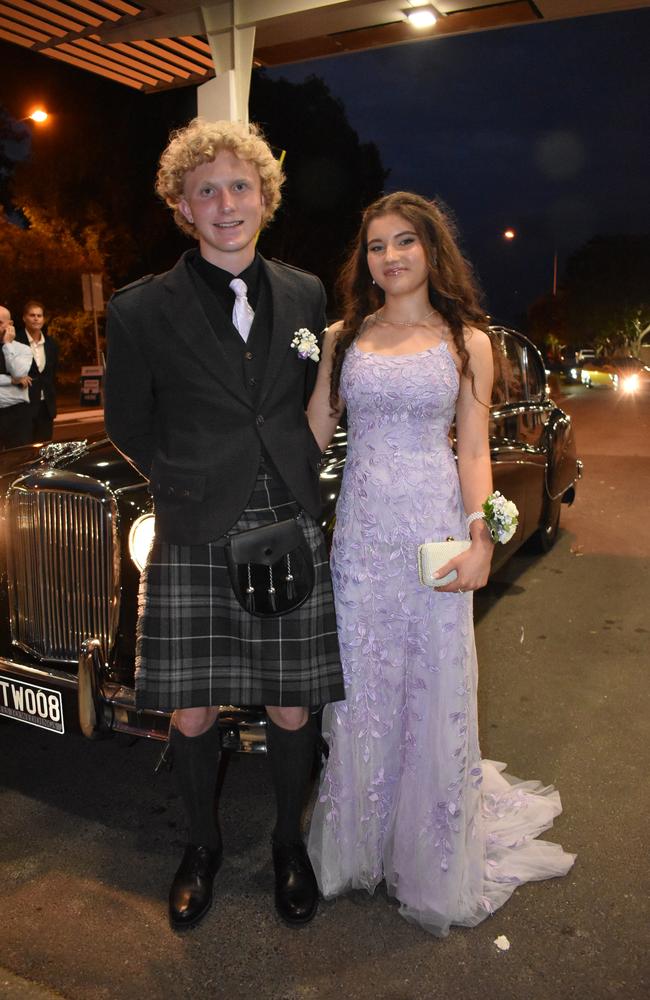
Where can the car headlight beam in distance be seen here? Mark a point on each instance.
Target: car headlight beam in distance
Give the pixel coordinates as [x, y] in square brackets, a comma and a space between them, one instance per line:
[140, 539]
[630, 383]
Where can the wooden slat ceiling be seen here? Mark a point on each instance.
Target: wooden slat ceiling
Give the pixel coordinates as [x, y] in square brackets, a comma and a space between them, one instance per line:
[162, 45]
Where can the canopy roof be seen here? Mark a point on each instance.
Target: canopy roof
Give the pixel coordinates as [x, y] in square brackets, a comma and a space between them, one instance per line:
[172, 43]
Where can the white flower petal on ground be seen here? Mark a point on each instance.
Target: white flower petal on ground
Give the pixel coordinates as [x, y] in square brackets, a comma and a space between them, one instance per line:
[502, 942]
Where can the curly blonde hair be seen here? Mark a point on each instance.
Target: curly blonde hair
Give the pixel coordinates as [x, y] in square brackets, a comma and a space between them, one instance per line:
[200, 142]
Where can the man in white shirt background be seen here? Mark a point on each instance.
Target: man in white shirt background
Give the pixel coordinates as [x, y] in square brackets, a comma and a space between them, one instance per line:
[15, 362]
[45, 353]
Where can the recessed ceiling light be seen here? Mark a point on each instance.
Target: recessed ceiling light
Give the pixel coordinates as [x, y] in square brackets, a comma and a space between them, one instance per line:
[421, 17]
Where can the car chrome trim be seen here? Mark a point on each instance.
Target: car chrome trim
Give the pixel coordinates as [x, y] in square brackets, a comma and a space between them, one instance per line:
[60, 451]
[63, 557]
[50, 675]
[242, 729]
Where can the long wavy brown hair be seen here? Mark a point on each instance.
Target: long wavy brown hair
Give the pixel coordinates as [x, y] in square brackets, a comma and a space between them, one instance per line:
[453, 291]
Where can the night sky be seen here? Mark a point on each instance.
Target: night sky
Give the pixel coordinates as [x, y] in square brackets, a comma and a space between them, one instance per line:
[542, 128]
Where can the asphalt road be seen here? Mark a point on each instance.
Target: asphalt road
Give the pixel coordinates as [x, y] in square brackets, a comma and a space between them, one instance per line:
[90, 837]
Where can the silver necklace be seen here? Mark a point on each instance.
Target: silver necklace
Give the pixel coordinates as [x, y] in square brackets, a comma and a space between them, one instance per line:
[402, 322]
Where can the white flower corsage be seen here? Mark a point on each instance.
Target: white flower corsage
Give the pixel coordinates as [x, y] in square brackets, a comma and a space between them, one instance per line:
[306, 344]
[501, 517]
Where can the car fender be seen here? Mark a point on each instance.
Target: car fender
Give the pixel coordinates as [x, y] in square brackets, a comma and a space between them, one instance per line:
[561, 464]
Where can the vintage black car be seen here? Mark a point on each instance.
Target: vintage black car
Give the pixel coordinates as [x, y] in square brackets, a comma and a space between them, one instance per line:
[77, 520]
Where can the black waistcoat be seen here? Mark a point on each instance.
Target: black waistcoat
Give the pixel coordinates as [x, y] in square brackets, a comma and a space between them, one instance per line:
[246, 358]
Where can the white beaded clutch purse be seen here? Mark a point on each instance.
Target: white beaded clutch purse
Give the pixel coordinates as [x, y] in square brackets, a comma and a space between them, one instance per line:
[433, 555]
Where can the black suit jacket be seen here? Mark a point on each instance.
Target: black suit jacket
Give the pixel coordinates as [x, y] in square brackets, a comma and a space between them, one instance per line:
[43, 381]
[181, 414]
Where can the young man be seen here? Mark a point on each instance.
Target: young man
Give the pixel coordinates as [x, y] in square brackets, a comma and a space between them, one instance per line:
[42, 389]
[205, 395]
[15, 362]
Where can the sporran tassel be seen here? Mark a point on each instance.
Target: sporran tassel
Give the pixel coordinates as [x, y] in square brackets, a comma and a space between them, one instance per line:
[291, 590]
[250, 593]
[271, 591]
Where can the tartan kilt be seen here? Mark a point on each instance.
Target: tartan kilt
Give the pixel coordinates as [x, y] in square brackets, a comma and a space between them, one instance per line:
[196, 646]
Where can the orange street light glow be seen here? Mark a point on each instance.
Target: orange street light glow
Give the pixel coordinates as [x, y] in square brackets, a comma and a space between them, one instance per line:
[38, 115]
[509, 234]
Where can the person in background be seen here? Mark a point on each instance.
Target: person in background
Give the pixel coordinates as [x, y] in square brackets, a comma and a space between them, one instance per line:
[45, 352]
[15, 362]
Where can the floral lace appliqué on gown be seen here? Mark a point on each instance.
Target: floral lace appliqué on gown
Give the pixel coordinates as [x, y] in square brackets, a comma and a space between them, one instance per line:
[405, 796]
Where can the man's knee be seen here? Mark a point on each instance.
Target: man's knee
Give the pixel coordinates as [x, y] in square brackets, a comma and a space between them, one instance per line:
[194, 721]
[287, 718]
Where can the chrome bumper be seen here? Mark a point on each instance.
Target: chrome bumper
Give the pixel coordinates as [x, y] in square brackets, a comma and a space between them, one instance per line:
[105, 707]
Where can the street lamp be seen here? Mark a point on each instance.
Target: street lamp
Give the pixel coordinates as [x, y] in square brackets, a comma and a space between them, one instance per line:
[38, 115]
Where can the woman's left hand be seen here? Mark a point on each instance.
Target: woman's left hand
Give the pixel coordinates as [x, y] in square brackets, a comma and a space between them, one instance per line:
[472, 566]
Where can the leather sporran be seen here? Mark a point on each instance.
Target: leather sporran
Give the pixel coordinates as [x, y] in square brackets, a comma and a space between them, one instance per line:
[271, 568]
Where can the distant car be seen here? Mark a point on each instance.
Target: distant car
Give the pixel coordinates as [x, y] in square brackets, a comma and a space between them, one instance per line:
[599, 374]
[77, 521]
[632, 375]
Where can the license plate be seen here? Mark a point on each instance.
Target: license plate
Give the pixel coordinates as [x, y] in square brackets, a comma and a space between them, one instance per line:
[31, 703]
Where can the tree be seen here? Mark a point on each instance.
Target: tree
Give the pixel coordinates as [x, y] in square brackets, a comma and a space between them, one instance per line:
[547, 323]
[331, 175]
[607, 292]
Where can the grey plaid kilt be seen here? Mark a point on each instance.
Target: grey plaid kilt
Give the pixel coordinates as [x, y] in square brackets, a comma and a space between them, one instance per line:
[196, 646]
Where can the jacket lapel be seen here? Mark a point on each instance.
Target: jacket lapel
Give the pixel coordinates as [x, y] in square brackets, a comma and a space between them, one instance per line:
[285, 322]
[188, 321]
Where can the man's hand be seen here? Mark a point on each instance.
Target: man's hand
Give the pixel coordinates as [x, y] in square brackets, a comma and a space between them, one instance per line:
[24, 381]
[9, 334]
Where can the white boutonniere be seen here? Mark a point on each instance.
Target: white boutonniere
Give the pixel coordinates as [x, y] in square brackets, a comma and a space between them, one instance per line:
[306, 344]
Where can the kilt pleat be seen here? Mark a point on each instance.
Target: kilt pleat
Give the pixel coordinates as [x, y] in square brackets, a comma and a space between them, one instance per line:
[196, 646]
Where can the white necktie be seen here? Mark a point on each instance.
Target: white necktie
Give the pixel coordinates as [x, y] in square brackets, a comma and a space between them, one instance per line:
[242, 313]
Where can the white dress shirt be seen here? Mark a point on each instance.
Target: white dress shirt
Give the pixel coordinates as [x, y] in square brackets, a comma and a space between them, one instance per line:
[18, 360]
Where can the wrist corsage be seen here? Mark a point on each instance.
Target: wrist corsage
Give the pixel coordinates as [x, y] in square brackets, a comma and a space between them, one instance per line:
[306, 344]
[500, 515]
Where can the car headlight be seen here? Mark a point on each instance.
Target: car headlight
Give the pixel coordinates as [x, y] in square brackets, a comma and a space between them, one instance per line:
[574, 373]
[140, 539]
[630, 383]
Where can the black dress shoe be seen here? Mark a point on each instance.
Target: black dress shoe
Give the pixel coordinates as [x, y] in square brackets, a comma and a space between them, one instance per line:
[190, 896]
[296, 891]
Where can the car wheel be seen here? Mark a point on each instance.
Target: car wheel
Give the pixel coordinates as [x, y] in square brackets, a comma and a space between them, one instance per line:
[587, 383]
[546, 535]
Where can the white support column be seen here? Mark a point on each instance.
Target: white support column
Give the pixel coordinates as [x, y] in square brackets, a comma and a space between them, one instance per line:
[226, 96]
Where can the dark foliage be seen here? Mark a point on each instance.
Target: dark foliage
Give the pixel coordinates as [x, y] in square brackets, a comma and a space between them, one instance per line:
[331, 176]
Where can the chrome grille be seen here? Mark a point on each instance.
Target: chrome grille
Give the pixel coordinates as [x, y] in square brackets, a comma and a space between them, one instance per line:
[63, 570]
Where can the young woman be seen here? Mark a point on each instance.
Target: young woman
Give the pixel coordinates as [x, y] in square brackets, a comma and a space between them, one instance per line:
[405, 796]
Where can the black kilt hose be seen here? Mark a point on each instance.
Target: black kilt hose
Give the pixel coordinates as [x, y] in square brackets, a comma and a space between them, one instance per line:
[196, 646]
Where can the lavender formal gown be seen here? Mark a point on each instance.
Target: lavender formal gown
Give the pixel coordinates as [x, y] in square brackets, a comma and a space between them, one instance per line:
[405, 796]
